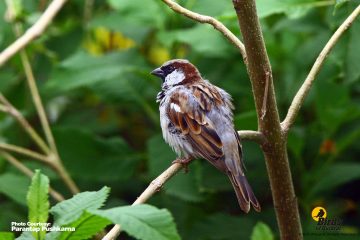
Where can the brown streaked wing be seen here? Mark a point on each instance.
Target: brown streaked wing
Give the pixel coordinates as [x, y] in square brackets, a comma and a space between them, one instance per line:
[191, 121]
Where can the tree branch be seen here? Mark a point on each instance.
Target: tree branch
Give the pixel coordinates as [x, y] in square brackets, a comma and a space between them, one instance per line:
[10, 109]
[254, 136]
[33, 32]
[25, 170]
[306, 86]
[31, 82]
[24, 151]
[210, 20]
[274, 149]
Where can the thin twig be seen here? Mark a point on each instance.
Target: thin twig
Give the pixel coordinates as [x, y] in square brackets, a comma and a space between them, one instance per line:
[53, 156]
[33, 32]
[306, 86]
[254, 136]
[24, 151]
[32, 83]
[10, 109]
[37, 101]
[210, 20]
[25, 170]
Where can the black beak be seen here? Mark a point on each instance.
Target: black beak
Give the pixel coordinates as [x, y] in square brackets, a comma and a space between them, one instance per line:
[158, 72]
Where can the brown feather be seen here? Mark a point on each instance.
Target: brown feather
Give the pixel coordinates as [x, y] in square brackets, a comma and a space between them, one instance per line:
[211, 135]
[183, 125]
[193, 125]
[244, 193]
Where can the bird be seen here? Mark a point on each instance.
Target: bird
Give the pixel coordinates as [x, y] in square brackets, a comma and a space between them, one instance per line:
[196, 119]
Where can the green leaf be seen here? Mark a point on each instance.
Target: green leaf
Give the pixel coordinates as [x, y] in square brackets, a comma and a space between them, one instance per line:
[110, 21]
[292, 8]
[221, 226]
[213, 180]
[38, 202]
[135, 9]
[7, 236]
[216, 8]
[26, 236]
[333, 106]
[143, 222]
[70, 210]
[17, 8]
[335, 176]
[112, 156]
[86, 227]
[262, 231]
[8, 181]
[85, 70]
[160, 155]
[340, 3]
[202, 38]
[296, 141]
[353, 56]
[186, 186]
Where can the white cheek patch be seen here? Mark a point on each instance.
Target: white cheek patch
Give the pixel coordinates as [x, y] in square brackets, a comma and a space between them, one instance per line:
[175, 107]
[175, 77]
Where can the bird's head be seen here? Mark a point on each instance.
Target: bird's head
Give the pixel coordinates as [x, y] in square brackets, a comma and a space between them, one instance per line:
[177, 72]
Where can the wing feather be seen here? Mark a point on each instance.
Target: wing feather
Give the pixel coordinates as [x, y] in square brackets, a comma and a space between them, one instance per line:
[188, 114]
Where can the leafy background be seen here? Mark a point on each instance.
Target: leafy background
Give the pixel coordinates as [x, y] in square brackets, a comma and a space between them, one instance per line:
[93, 75]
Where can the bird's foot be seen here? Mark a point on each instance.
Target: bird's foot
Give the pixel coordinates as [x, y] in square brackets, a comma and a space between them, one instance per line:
[184, 162]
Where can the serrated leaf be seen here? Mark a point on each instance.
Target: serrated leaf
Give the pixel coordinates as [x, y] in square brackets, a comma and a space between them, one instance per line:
[262, 231]
[38, 201]
[7, 236]
[85, 227]
[18, 193]
[70, 210]
[143, 222]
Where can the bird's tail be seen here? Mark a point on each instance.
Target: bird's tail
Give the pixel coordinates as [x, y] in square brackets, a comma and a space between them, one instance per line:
[244, 193]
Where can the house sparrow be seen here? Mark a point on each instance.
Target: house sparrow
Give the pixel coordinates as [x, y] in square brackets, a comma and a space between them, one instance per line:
[197, 122]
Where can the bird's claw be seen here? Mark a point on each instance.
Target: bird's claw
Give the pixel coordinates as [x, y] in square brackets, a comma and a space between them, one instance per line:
[184, 162]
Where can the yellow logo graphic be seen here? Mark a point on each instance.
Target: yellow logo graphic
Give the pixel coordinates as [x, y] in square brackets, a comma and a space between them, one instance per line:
[318, 212]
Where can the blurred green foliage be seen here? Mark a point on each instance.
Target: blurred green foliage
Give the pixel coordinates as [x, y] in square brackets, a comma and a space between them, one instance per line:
[93, 75]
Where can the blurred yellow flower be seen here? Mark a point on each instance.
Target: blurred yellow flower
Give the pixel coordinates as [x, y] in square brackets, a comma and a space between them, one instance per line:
[104, 40]
[158, 55]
